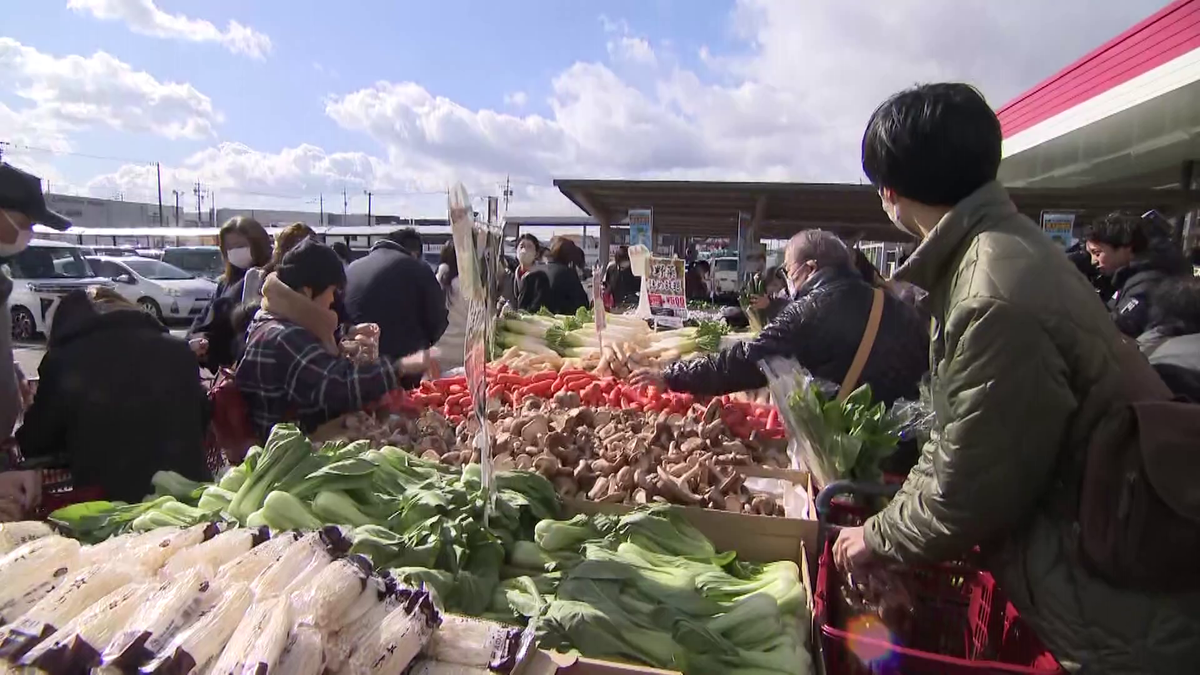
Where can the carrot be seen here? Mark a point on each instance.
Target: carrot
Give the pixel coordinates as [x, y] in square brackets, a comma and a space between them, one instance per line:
[558, 386]
[614, 398]
[773, 419]
[546, 376]
[570, 372]
[575, 385]
[495, 390]
[435, 399]
[502, 369]
[510, 378]
[454, 400]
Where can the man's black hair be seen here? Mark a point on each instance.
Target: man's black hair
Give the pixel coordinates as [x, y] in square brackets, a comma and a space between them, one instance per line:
[702, 265]
[312, 265]
[1119, 230]
[342, 249]
[408, 239]
[934, 144]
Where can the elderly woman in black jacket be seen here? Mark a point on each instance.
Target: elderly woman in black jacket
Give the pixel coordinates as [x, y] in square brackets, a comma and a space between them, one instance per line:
[821, 329]
[119, 398]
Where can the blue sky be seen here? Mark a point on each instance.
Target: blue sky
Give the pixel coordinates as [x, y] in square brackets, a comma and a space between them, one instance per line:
[406, 97]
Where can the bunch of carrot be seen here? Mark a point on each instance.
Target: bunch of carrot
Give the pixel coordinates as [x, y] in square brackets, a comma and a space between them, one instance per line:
[451, 397]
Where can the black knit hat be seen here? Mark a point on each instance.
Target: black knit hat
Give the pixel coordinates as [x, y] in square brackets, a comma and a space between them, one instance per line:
[311, 265]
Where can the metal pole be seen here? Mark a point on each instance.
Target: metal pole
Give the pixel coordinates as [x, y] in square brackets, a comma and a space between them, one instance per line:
[158, 170]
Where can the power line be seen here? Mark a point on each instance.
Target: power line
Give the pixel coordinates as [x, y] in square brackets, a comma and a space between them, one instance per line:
[71, 153]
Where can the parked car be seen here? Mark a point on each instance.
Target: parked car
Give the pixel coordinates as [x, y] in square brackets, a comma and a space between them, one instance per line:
[162, 290]
[42, 274]
[202, 261]
[153, 253]
[724, 274]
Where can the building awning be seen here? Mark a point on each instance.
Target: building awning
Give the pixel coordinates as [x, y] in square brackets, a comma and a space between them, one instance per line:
[1127, 114]
[704, 208]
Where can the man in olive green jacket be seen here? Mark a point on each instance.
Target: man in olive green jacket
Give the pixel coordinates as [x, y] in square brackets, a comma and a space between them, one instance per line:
[1022, 368]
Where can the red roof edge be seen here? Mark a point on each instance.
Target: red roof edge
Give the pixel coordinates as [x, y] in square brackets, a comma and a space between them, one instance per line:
[1048, 83]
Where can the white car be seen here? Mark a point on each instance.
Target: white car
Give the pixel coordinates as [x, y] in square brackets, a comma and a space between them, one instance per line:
[42, 274]
[724, 274]
[162, 290]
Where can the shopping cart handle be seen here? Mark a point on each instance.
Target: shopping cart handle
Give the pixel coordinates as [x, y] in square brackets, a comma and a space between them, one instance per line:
[848, 487]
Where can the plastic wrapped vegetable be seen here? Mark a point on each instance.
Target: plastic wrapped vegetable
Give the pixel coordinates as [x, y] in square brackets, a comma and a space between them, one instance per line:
[304, 653]
[475, 642]
[399, 638]
[215, 552]
[355, 631]
[173, 605]
[64, 603]
[248, 566]
[13, 535]
[31, 571]
[270, 638]
[326, 597]
[201, 642]
[306, 551]
[262, 617]
[76, 647]
[156, 548]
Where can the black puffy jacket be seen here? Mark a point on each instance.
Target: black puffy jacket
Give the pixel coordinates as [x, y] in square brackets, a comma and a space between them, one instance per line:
[1135, 283]
[821, 329]
[119, 398]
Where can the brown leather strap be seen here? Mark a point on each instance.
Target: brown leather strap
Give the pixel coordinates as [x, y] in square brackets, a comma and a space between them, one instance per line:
[864, 348]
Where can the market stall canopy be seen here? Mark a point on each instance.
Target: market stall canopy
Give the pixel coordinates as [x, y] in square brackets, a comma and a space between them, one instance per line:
[709, 208]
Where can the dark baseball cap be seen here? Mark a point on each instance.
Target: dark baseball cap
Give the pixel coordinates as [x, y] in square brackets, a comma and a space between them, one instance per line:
[22, 192]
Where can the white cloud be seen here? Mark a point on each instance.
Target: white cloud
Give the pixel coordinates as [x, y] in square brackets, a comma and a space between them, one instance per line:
[788, 104]
[99, 90]
[516, 99]
[145, 17]
[634, 50]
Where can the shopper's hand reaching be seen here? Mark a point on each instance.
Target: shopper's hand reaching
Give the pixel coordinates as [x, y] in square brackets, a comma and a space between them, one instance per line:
[850, 551]
[414, 364]
[648, 377]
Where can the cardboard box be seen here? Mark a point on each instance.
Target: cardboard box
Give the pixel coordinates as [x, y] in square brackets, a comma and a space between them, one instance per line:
[759, 539]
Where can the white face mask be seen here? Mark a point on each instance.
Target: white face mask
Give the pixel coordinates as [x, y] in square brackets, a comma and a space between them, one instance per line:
[893, 214]
[240, 257]
[791, 286]
[22, 242]
[526, 256]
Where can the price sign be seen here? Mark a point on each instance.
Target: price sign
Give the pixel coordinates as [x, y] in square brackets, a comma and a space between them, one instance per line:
[664, 289]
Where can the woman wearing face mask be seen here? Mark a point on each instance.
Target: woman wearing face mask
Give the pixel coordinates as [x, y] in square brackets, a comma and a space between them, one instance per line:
[528, 250]
[821, 329]
[555, 286]
[244, 244]
[293, 369]
[619, 281]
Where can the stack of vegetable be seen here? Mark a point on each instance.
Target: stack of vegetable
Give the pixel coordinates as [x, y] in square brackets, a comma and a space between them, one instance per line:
[644, 446]
[203, 600]
[541, 342]
[651, 588]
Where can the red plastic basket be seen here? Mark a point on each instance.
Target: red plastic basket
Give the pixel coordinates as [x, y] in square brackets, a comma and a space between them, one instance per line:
[960, 623]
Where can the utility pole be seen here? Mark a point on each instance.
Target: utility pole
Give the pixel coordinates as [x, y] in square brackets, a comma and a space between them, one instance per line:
[212, 208]
[2, 144]
[177, 193]
[322, 209]
[158, 170]
[199, 192]
[507, 191]
[368, 194]
[345, 205]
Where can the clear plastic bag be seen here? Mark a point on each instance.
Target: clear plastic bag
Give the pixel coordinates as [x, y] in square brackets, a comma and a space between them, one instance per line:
[835, 440]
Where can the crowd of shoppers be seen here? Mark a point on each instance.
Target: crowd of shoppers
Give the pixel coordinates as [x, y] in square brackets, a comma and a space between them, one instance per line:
[1023, 355]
